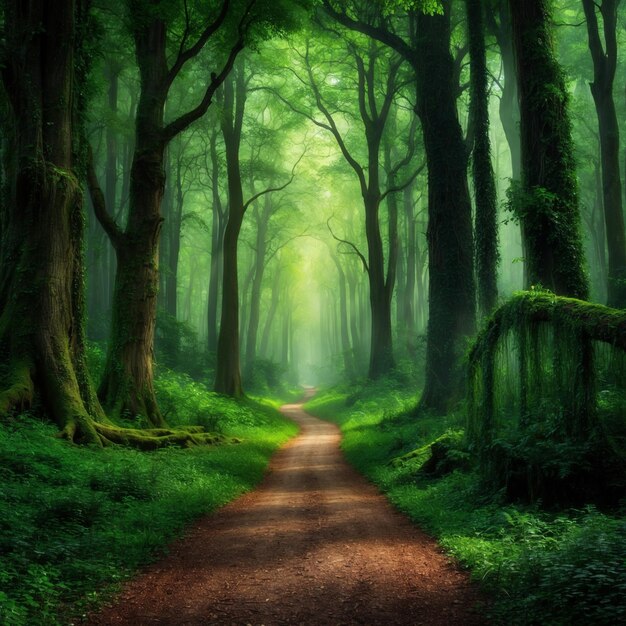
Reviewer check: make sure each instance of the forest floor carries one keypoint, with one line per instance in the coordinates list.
(314, 544)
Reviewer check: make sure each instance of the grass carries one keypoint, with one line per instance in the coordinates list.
(540, 567)
(74, 520)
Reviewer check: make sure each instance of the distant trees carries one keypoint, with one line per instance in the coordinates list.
(378, 80)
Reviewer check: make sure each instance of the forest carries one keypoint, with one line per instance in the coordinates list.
(242, 240)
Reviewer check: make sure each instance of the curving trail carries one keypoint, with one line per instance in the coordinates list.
(315, 544)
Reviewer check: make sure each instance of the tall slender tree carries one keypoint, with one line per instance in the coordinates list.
(486, 217)
(452, 308)
(604, 58)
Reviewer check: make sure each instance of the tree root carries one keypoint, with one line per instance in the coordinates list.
(156, 438)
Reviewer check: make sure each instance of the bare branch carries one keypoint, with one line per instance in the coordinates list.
(256, 196)
(348, 243)
(405, 184)
(109, 225)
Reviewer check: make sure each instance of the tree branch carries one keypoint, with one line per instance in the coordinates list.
(193, 51)
(109, 225)
(381, 34)
(350, 244)
(256, 196)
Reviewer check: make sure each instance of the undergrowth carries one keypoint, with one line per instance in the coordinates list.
(539, 567)
(74, 520)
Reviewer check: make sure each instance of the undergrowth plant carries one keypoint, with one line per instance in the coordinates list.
(74, 520)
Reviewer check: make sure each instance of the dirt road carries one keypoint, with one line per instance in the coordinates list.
(315, 544)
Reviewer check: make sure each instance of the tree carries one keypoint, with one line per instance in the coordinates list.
(452, 311)
(127, 383)
(604, 66)
(548, 204)
(41, 275)
(486, 217)
(228, 369)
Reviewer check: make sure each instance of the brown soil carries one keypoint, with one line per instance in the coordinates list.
(314, 544)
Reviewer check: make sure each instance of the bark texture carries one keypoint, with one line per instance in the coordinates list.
(42, 295)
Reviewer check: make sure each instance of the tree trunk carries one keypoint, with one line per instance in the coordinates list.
(217, 247)
(271, 313)
(346, 350)
(228, 371)
(548, 208)
(452, 315)
(381, 350)
(257, 282)
(604, 64)
(408, 313)
(42, 321)
(486, 216)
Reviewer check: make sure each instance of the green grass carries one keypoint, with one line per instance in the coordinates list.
(74, 520)
(539, 567)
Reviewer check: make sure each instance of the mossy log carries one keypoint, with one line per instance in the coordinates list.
(546, 377)
(598, 322)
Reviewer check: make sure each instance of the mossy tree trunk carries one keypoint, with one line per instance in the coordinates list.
(486, 214)
(127, 384)
(42, 320)
(604, 66)
(548, 207)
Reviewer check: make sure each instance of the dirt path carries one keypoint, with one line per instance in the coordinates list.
(314, 544)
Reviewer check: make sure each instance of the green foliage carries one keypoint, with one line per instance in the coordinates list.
(75, 519)
(552, 568)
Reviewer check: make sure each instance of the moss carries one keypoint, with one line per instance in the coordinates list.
(539, 372)
(19, 392)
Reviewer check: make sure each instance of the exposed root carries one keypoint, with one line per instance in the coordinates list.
(155, 438)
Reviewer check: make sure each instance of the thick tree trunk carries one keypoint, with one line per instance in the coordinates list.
(452, 314)
(605, 63)
(548, 209)
(228, 371)
(42, 321)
